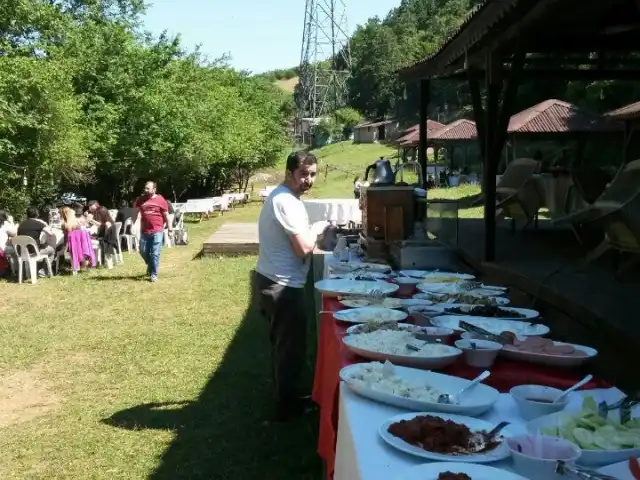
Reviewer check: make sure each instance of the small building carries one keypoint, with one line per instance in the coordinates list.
(376, 131)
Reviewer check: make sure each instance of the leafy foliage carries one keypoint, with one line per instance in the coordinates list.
(90, 103)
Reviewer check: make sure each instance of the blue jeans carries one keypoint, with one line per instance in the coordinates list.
(150, 244)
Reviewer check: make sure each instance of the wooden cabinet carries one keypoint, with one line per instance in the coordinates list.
(387, 212)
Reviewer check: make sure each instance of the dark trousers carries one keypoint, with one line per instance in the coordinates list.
(284, 308)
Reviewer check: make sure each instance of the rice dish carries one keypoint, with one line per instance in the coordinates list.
(381, 378)
(392, 342)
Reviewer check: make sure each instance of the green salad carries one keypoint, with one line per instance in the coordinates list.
(590, 431)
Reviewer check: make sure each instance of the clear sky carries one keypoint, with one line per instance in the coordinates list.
(259, 35)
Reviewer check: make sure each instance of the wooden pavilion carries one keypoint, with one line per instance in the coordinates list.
(505, 41)
(630, 116)
(558, 120)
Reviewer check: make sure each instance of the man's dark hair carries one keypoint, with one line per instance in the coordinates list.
(295, 159)
(92, 203)
(32, 212)
(124, 204)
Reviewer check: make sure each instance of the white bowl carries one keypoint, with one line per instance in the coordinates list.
(536, 455)
(525, 395)
(483, 355)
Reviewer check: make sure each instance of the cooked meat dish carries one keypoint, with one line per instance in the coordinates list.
(437, 435)
(485, 311)
(453, 476)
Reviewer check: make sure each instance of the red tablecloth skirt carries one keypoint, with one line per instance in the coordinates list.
(333, 355)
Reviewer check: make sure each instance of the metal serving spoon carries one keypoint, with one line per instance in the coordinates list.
(449, 399)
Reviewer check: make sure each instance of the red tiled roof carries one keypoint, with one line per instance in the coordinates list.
(627, 112)
(459, 130)
(412, 137)
(556, 116)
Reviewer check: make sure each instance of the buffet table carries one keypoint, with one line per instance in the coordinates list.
(363, 455)
(332, 356)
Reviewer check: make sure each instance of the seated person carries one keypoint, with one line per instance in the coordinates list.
(7, 230)
(125, 213)
(35, 228)
(106, 230)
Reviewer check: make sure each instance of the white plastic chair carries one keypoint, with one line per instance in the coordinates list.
(130, 238)
(167, 237)
(30, 257)
(119, 256)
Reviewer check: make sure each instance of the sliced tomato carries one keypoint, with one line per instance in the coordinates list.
(634, 466)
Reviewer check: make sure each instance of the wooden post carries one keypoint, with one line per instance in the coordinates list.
(473, 77)
(425, 90)
(494, 87)
(497, 122)
(326, 172)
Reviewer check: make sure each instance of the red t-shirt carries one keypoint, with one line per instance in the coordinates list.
(152, 210)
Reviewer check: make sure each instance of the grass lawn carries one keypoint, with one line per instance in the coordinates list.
(104, 375)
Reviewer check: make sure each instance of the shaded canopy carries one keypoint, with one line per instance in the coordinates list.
(556, 116)
(412, 136)
(626, 112)
(460, 130)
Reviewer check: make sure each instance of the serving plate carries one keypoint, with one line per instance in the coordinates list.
(370, 314)
(590, 458)
(435, 362)
(339, 287)
(388, 302)
(431, 471)
(366, 274)
(493, 325)
(499, 453)
(445, 298)
(363, 266)
(563, 361)
(437, 276)
(477, 401)
(454, 288)
(441, 308)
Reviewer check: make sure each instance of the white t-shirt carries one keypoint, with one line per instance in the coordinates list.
(282, 215)
(7, 230)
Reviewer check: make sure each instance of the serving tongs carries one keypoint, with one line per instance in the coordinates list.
(625, 405)
(501, 339)
(574, 471)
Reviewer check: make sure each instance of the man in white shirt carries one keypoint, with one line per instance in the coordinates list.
(286, 244)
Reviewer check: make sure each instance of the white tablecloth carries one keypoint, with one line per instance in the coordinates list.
(339, 210)
(362, 454)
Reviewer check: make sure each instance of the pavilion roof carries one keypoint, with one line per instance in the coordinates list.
(537, 27)
(412, 137)
(626, 112)
(556, 116)
(459, 130)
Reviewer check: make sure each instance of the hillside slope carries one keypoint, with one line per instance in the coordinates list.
(288, 85)
(338, 165)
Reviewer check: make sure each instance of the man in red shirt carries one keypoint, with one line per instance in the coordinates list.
(153, 216)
